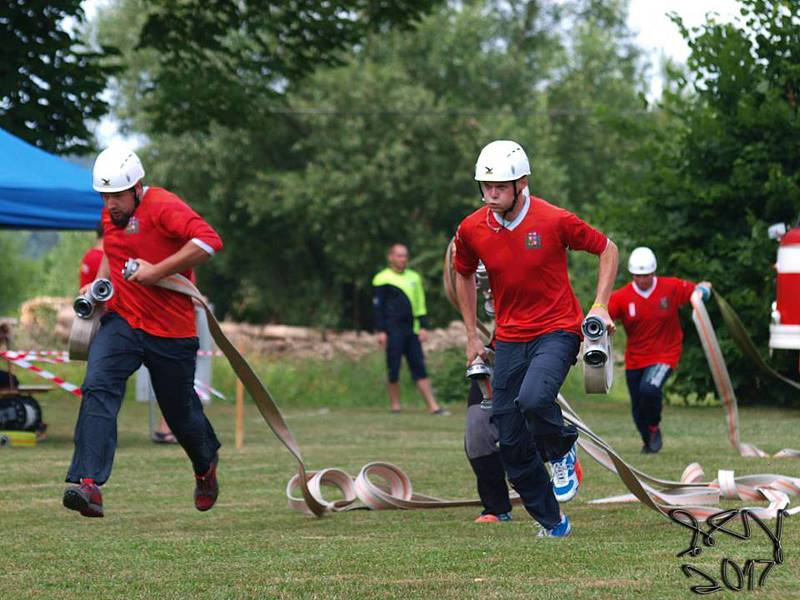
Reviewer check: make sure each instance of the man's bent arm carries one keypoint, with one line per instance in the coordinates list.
(103, 271)
(606, 273)
(189, 256)
(467, 296)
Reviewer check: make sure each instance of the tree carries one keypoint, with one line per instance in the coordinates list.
(50, 83)
(218, 61)
(723, 164)
(309, 183)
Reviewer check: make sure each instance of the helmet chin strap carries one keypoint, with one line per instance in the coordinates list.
(523, 192)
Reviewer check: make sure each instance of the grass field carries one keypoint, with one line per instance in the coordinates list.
(154, 544)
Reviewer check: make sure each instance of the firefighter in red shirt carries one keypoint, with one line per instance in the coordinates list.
(90, 262)
(144, 324)
(648, 308)
(523, 241)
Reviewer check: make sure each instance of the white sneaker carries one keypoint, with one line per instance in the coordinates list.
(564, 477)
(563, 529)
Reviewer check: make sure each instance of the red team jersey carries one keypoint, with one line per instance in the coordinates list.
(527, 267)
(652, 323)
(90, 264)
(161, 225)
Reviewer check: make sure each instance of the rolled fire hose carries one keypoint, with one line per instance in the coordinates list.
(691, 495)
(598, 363)
(719, 372)
(682, 494)
(89, 309)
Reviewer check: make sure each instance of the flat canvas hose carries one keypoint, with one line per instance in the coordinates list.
(395, 492)
(719, 371)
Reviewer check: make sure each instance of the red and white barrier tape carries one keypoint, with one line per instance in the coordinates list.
(63, 355)
(66, 385)
(23, 360)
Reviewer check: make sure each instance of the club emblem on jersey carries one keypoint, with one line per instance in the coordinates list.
(133, 225)
(664, 303)
(533, 240)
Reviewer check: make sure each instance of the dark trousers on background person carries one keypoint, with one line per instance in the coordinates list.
(402, 341)
(526, 382)
(645, 387)
(115, 354)
(480, 445)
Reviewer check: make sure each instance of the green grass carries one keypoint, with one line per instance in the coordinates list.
(154, 544)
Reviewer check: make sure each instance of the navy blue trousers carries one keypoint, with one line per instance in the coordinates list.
(117, 351)
(399, 342)
(645, 387)
(531, 429)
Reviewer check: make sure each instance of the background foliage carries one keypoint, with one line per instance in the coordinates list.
(721, 167)
(311, 157)
(51, 81)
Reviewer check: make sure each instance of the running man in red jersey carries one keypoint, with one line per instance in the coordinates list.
(523, 241)
(648, 308)
(144, 324)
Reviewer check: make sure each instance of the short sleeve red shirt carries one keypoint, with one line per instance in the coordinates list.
(527, 267)
(90, 264)
(161, 225)
(652, 323)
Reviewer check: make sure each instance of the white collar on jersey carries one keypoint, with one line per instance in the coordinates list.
(511, 225)
(650, 290)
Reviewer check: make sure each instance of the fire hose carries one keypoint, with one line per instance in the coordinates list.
(361, 492)
(719, 370)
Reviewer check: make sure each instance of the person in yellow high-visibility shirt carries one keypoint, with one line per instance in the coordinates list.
(400, 319)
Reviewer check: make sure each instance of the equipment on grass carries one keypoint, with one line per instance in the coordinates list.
(17, 438)
(20, 413)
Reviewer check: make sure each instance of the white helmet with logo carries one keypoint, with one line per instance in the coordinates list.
(116, 169)
(502, 160)
(642, 261)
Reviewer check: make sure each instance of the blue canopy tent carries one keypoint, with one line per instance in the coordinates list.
(42, 191)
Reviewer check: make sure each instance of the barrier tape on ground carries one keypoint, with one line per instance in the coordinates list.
(65, 385)
(24, 360)
(63, 355)
(722, 380)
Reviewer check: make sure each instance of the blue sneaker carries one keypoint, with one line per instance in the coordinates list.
(564, 476)
(563, 529)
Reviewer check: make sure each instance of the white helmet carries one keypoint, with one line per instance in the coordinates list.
(116, 169)
(502, 160)
(642, 261)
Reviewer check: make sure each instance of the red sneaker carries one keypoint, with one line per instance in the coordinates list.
(207, 488)
(85, 498)
(487, 519)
